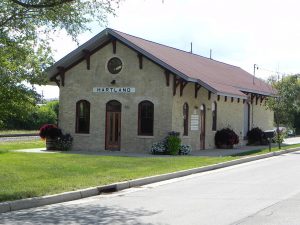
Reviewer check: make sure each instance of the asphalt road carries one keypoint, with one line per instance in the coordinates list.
(261, 192)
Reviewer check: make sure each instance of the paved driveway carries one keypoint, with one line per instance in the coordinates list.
(292, 140)
(261, 192)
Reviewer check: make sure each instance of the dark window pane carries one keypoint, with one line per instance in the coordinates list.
(185, 119)
(214, 116)
(82, 116)
(146, 118)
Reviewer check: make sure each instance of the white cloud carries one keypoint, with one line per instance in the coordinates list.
(242, 33)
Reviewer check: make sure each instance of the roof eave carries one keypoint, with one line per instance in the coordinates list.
(242, 96)
(77, 53)
(258, 92)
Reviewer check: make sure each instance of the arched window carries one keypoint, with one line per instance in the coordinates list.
(214, 115)
(83, 117)
(185, 119)
(146, 118)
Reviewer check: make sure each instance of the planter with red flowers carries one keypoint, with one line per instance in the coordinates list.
(226, 138)
(51, 133)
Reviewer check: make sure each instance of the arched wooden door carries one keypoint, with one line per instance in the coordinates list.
(113, 125)
(202, 126)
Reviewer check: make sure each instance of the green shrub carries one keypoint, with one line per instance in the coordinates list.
(279, 136)
(173, 145)
(158, 148)
(170, 145)
(64, 142)
(185, 149)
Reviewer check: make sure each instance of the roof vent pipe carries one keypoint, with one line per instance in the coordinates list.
(210, 53)
(191, 47)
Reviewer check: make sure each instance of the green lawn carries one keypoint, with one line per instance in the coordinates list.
(15, 145)
(24, 175)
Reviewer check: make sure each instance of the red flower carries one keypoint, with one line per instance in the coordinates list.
(50, 131)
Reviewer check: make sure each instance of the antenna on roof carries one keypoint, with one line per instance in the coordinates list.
(210, 53)
(255, 67)
(191, 47)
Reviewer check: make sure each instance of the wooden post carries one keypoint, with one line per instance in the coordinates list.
(87, 56)
(167, 75)
(183, 83)
(61, 71)
(176, 82)
(114, 44)
(197, 88)
(140, 56)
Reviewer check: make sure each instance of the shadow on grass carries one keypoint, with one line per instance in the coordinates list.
(252, 152)
(77, 214)
(17, 195)
(117, 153)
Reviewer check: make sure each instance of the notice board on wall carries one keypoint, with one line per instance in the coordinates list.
(194, 122)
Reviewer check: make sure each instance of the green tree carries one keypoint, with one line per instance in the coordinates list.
(287, 105)
(34, 117)
(54, 106)
(16, 99)
(26, 27)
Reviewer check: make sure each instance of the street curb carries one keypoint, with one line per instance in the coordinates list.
(88, 192)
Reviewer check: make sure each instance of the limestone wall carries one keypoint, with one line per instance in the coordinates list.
(149, 82)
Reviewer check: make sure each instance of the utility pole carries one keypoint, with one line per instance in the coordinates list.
(255, 67)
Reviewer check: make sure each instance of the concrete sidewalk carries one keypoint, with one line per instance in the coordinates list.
(206, 152)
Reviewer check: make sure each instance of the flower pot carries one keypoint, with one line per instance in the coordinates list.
(224, 146)
(50, 144)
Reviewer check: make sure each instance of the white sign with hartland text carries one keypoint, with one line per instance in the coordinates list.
(114, 90)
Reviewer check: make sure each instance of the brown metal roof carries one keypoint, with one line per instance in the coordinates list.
(224, 78)
(219, 78)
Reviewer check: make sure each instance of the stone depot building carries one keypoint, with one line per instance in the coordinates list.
(121, 92)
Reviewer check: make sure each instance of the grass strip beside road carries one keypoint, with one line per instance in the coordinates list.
(25, 175)
(265, 150)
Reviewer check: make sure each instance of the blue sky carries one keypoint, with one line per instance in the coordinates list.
(242, 33)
